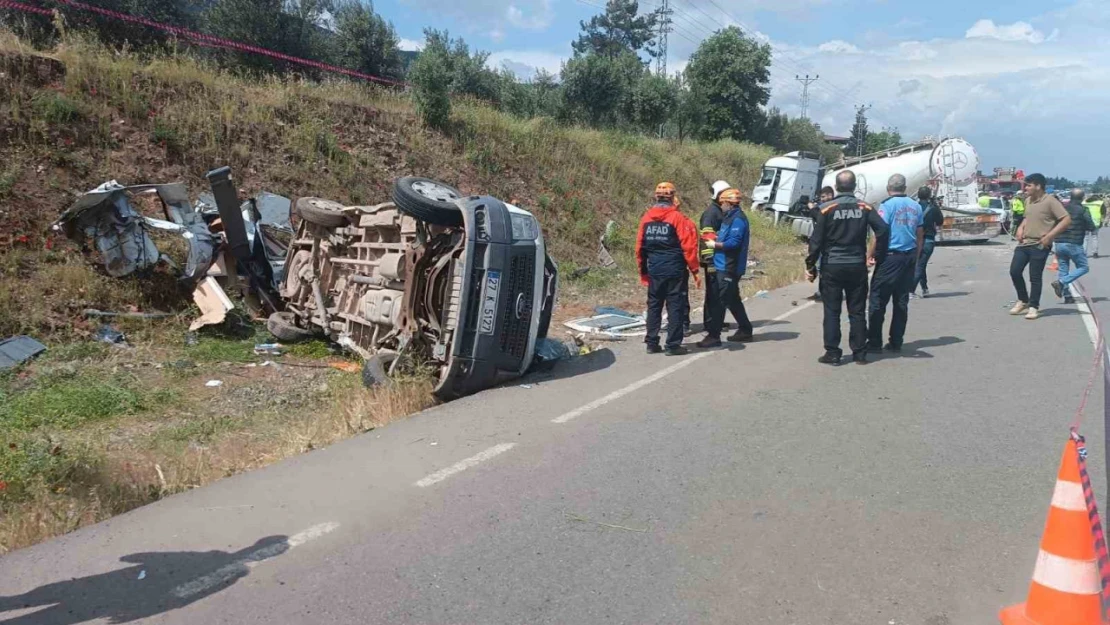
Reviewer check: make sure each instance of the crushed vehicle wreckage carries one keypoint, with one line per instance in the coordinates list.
(461, 284)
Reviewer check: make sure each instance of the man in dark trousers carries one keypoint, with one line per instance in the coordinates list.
(933, 219)
(667, 253)
(895, 265)
(839, 245)
(1045, 219)
(708, 225)
(730, 259)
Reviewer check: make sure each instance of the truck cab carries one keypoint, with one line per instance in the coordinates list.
(785, 179)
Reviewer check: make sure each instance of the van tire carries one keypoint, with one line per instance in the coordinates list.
(321, 212)
(284, 328)
(428, 200)
(375, 370)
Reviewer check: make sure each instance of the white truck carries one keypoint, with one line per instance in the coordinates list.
(785, 179)
(949, 166)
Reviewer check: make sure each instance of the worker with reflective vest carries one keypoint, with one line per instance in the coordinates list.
(1017, 214)
(1094, 205)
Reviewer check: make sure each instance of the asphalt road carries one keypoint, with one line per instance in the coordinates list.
(735, 486)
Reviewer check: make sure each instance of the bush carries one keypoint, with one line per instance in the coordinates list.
(431, 81)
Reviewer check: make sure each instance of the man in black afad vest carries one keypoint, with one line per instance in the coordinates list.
(839, 244)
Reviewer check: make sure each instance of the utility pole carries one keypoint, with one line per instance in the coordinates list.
(860, 127)
(805, 92)
(664, 28)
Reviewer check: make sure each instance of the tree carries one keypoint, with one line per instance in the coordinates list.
(730, 73)
(857, 142)
(770, 129)
(653, 102)
(689, 110)
(598, 90)
(364, 41)
(253, 22)
(303, 33)
(803, 135)
(1060, 182)
(467, 72)
(618, 30)
(430, 76)
(110, 31)
(880, 141)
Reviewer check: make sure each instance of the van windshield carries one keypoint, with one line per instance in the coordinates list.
(768, 176)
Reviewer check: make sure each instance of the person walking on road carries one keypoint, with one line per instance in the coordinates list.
(932, 219)
(1094, 207)
(895, 265)
(1045, 219)
(838, 246)
(1069, 246)
(1017, 214)
(708, 225)
(730, 259)
(666, 253)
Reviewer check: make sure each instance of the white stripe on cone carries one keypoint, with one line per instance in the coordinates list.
(1069, 496)
(1078, 577)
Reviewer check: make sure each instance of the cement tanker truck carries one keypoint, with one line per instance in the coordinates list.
(949, 166)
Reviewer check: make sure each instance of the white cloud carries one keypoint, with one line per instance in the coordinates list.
(410, 44)
(524, 63)
(534, 18)
(988, 87)
(496, 35)
(836, 46)
(1018, 31)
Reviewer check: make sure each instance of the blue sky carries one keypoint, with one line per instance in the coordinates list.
(1028, 83)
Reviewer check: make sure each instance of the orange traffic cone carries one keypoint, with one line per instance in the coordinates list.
(1054, 265)
(1066, 583)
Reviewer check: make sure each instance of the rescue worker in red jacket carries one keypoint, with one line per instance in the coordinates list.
(667, 253)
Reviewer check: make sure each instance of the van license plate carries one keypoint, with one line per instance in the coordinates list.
(489, 302)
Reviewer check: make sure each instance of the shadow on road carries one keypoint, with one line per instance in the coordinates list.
(1056, 312)
(580, 365)
(155, 583)
(948, 294)
(914, 349)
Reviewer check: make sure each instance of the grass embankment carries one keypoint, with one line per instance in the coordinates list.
(89, 430)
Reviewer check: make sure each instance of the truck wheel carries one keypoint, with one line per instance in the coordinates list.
(375, 370)
(284, 327)
(322, 212)
(428, 200)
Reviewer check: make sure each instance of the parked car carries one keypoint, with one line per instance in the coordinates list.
(463, 284)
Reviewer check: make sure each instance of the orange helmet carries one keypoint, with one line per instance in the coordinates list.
(730, 196)
(664, 191)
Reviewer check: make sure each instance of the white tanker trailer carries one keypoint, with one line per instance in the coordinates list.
(949, 166)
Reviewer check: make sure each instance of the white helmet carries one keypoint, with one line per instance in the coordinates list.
(719, 186)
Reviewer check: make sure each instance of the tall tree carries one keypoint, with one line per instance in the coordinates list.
(303, 33)
(730, 73)
(598, 90)
(619, 29)
(879, 141)
(254, 22)
(857, 142)
(364, 41)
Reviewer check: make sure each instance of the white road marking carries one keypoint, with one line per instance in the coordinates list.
(463, 465)
(617, 394)
(1086, 314)
(655, 377)
(240, 567)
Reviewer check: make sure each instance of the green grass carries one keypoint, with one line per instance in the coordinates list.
(67, 398)
(314, 348)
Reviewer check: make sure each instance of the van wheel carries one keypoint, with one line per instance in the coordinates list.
(375, 370)
(284, 328)
(428, 200)
(322, 212)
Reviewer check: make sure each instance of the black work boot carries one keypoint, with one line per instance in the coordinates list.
(874, 348)
(860, 358)
(677, 350)
(1058, 288)
(891, 347)
(830, 358)
(654, 348)
(709, 341)
(741, 337)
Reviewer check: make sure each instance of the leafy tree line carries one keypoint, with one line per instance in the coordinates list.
(608, 83)
(347, 33)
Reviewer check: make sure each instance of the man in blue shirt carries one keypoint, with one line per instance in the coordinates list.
(895, 266)
(730, 259)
